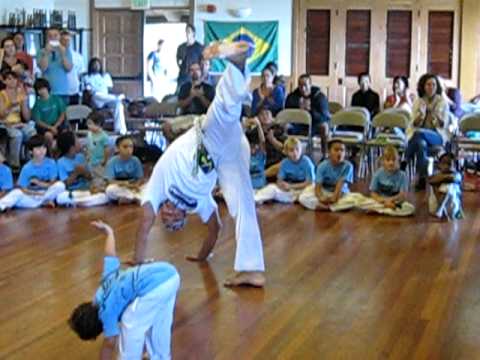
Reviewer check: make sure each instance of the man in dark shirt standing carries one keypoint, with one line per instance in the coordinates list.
(366, 97)
(188, 53)
(195, 96)
(311, 99)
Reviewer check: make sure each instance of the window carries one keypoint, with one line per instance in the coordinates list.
(399, 43)
(357, 55)
(318, 42)
(440, 43)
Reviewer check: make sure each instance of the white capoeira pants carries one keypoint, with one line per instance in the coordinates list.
(17, 198)
(82, 198)
(114, 102)
(148, 321)
(346, 202)
(225, 140)
(116, 192)
(405, 208)
(451, 203)
(273, 192)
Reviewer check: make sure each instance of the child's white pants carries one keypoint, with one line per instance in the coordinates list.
(148, 321)
(83, 198)
(347, 201)
(273, 192)
(17, 198)
(452, 201)
(116, 192)
(405, 209)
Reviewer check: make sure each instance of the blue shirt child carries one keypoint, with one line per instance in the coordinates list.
(328, 175)
(67, 165)
(45, 171)
(387, 183)
(257, 169)
(6, 178)
(297, 172)
(118, 169)
(96, 144)
(120, 287)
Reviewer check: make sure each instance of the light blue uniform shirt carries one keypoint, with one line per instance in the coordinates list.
(118, 169)
(120, 287)
(6, 178)
(387, 183)
(67, 165)
(257, 169)
(55, 73)
(96, 144)
(297, 172)
(45, 171)
(328, 175)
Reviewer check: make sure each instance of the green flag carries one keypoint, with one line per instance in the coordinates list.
(263, 34)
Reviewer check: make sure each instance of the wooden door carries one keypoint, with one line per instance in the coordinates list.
(117, 41)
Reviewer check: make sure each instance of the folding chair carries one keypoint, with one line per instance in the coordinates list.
(467, 138)
(297, 117)
(334, 107)
(77, 114)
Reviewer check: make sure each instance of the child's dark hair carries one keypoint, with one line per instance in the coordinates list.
(65, 141)
(252, 136)
(333, 142)
(122, 138)
(41, 83)
(85, 321)
(97, 118)
(37, 141)
(450, 156)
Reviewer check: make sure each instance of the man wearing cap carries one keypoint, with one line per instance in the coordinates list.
(214, 148)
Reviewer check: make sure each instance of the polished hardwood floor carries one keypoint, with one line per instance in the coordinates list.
(340, 286)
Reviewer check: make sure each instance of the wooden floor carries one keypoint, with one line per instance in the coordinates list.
(340, 286)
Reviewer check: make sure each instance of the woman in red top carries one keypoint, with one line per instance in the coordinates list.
(401, 97)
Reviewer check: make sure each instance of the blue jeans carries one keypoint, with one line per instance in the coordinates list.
(418, 146)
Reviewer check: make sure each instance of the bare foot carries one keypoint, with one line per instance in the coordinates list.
(125, 201)
(49, 205)
(225, 50)
(246, 278)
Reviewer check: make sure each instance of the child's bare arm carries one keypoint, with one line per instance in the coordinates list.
(108, 348)
(300, 186)
(338, 190)
(110, 241)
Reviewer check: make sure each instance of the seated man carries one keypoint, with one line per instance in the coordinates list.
(195, 96)
(311, 99)
(365, 96)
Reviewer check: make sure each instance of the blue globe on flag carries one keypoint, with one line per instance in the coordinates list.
(247, 38)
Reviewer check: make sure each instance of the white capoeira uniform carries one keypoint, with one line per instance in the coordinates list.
(18, 199)
(81, 198)
(116, 192)
(346, 202)
(403, 209)
(176, 176)
(452, 202)
(273, 192)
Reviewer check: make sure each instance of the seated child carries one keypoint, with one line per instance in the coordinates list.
(445, 199)
(124, 173)
(38, 185)
(141, 298)
(258, 157)
(295, 174)
(6, 178)
(388, 188)
(98, 150)
(73, 170)
(333, 176)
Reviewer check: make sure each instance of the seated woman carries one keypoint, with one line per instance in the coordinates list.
(430, 119)
(9, 61)
(97, 83)
(267, 95)
(14, 117)
(401, 98)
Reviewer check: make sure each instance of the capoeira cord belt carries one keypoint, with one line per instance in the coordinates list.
(202, 160)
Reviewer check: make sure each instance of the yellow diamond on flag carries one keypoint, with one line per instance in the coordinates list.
(261, 46)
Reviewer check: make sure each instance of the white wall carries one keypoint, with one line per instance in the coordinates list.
(126, 3)
(263, 10)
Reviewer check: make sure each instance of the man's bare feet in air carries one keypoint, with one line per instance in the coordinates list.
(246, 278)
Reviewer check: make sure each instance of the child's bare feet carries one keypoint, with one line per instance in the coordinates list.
(246, 278)
(49, 205)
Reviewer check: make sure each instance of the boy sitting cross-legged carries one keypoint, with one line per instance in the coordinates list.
(331, 191)
(38, 184)
(6, 178)
(295, 174)
(74, 171)
(124, 173)
(388, 188)
(133, 307)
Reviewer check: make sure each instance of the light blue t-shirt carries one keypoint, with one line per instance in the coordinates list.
(387, 183)
(67, 165)
(328, 175)
(118, 169)
(6, 178)
(120, 287)
(55, 73)
(297, 172)
(45, 171)
(96, 144)
(257, 169)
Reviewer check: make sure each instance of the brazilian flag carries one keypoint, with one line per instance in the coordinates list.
(264, 35)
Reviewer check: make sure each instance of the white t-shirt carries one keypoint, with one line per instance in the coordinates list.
(173, 179)
(98, 83)
(74, 74)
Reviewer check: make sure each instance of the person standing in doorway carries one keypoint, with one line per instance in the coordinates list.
(188, 53)
(155, 71)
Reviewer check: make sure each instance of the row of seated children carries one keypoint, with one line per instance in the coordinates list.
(327, 188)
(69, 180)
